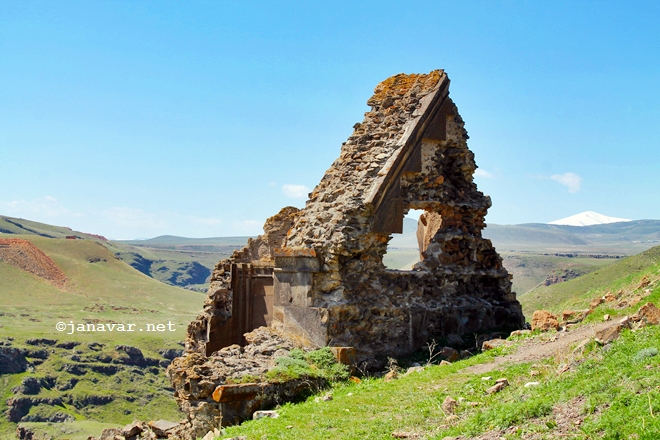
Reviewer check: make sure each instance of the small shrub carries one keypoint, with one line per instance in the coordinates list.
(645, 353)
(318, 363)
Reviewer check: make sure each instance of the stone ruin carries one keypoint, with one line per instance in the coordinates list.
(316, 276)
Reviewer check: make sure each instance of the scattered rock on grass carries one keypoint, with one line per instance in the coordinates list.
(544, 321)
(611, 332)
(263, 414)
(494, 343)
(499, 386)
(449, 405)
(647, 314)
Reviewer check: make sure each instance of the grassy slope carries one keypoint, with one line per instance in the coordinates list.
(529, 269)
(171, 256)
(31, 307)
(576, 294)
(10, 225)
(590, 393)
(108, 282)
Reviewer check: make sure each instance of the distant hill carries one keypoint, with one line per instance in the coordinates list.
(175, 241)
(623, 238)
(177, 261)
(13, 226)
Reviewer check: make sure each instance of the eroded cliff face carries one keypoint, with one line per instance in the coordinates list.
(317, 277)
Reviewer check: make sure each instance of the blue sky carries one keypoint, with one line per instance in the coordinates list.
(135, 119)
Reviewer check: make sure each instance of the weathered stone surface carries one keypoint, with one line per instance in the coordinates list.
(449, 354)
(449, 405)
(163, 428)
(410, 152)
(596, 302)
(544, 321)
(493, 343)
(344, 355)
(647, 314)
(612, 332)
(265, 413)
(428, 225)
(133, 429)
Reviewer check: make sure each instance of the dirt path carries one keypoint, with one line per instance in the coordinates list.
(532, 350)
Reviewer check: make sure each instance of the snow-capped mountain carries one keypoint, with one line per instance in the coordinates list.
(588, 218)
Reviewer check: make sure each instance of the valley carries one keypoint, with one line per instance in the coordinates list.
(72, 384)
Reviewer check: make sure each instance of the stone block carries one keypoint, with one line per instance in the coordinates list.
(344, 355)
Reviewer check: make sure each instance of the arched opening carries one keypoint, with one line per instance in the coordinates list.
(403, 249)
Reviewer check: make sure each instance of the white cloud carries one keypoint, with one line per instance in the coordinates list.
(46, 207)
(482, 173)
(135, 219)
(570, 180)
(295, 191)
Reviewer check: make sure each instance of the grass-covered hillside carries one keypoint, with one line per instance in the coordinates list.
(621, 279)
(86, 376)
(177, 261)
(594, 393)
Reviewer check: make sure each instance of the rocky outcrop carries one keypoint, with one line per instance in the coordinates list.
(12, 360)
(230, 385)
(544, 321)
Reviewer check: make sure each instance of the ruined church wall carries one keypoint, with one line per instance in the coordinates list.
(459, 287)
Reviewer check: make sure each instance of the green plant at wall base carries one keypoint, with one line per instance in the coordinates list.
(314, 364)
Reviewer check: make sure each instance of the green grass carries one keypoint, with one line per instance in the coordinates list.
(530, 269)
(577, 293)
(101, 289)
(172, 259)
(613, 392)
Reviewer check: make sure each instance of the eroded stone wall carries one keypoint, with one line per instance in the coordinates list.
(216, 316)
(410, 152)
